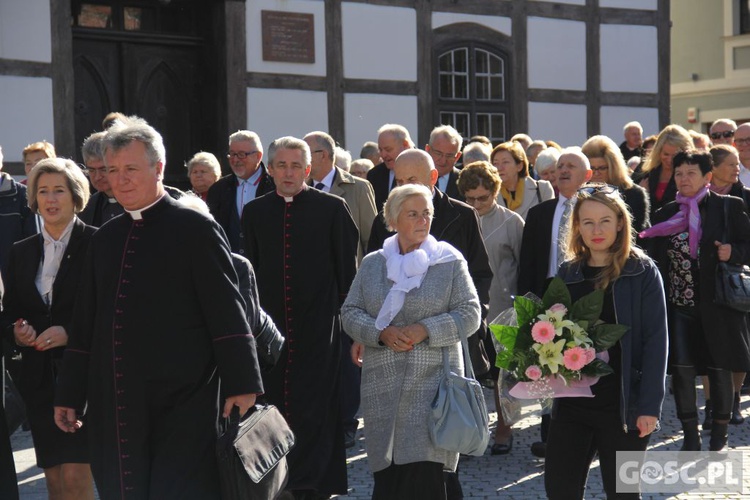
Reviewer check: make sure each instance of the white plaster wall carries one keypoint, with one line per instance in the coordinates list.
(364, 114)
(557, 54)
(274, 113)
(629, 4)
(501, 24)
(254, 37)
(563, 123)
(613, 118)
(379, 42)
(25, 31)
(629, 58)
(26, 108)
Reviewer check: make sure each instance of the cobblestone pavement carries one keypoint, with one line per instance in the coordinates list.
(518, 475)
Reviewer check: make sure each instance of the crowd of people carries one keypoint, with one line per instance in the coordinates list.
(135, 307)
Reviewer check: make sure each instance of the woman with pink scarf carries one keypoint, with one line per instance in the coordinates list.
(691, 236)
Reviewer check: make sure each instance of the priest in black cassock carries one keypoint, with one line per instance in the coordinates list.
(159, 321)
(303, 245)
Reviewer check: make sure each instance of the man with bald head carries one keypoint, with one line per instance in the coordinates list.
(454, 222)
(742, 143)
(392, 140)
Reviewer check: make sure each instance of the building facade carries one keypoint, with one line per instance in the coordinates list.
(200, 69)
(710, 62)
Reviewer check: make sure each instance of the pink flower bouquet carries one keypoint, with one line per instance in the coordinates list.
(556, 348)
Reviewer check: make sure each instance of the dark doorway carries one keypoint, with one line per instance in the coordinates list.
(152, 59)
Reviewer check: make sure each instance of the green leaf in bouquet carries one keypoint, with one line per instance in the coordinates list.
(526, 310)
(605, 335)
(503, 359)
(597, 368)
(524, 340)
(506, 335)
(557, 293)
(588, 307)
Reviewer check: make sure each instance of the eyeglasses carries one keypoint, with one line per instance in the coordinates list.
(604, 189)
(742, 142)
(90, 172)
(240, 154)
(479, 199)
(726, 134)
(603, 168)
(438, 155)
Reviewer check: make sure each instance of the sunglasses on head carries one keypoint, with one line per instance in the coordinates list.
(726, 134)
(605, 189)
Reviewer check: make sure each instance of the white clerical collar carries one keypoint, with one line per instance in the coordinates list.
(138, 214)
(290, 199)
(112, 200)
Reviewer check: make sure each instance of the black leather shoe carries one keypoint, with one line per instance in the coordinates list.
(502, 448)
(539, 449)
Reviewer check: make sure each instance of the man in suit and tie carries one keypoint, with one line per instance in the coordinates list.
(392, 140)
(357, 193)
(543, 243)
(248, 180)
(445, 149)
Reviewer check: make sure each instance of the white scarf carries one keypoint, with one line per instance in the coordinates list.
(53, 255)
(408, 271)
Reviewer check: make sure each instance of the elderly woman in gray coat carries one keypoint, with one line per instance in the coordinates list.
(408, 302)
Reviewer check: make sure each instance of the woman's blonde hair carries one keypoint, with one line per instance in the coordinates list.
(398, 196)
(76, 180)
(601, 146)
(674, 135)
(622, 248)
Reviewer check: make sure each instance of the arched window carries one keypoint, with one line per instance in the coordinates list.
(472, 91)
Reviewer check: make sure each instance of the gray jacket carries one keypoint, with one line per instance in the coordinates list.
(398, 388)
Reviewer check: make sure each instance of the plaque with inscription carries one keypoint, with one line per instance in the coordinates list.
(287, 36)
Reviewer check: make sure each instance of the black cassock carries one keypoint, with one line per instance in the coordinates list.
(159, 320)
(304, 251)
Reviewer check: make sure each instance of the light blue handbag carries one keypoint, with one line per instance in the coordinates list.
(460, 422)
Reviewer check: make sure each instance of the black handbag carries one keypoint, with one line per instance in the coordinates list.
(732, 280)
(268, 341)
(252, 454)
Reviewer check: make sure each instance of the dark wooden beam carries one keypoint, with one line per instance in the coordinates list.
(63, 86)
(234, 112)
(593, 69)
(335, 70)
(13, 67)
(663, 30)
(425, 71)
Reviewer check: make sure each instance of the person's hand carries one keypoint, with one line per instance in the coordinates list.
(646, 424)
(243, 401)
(417, 333)
(24, 333)
(724, 250)
(66, 419)
(54, 336)
(356, 352)
(395, 339)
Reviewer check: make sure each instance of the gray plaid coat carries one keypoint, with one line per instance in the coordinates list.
(398, 388)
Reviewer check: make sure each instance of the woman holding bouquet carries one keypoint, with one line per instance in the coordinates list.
(626, 404)
(408, 301)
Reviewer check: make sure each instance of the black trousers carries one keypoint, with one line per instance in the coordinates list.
(414, 481)
(689, 357)
(574, 438)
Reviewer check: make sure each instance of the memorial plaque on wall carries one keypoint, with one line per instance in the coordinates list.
(287, 36)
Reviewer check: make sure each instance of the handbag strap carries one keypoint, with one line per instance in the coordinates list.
(468, 367)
